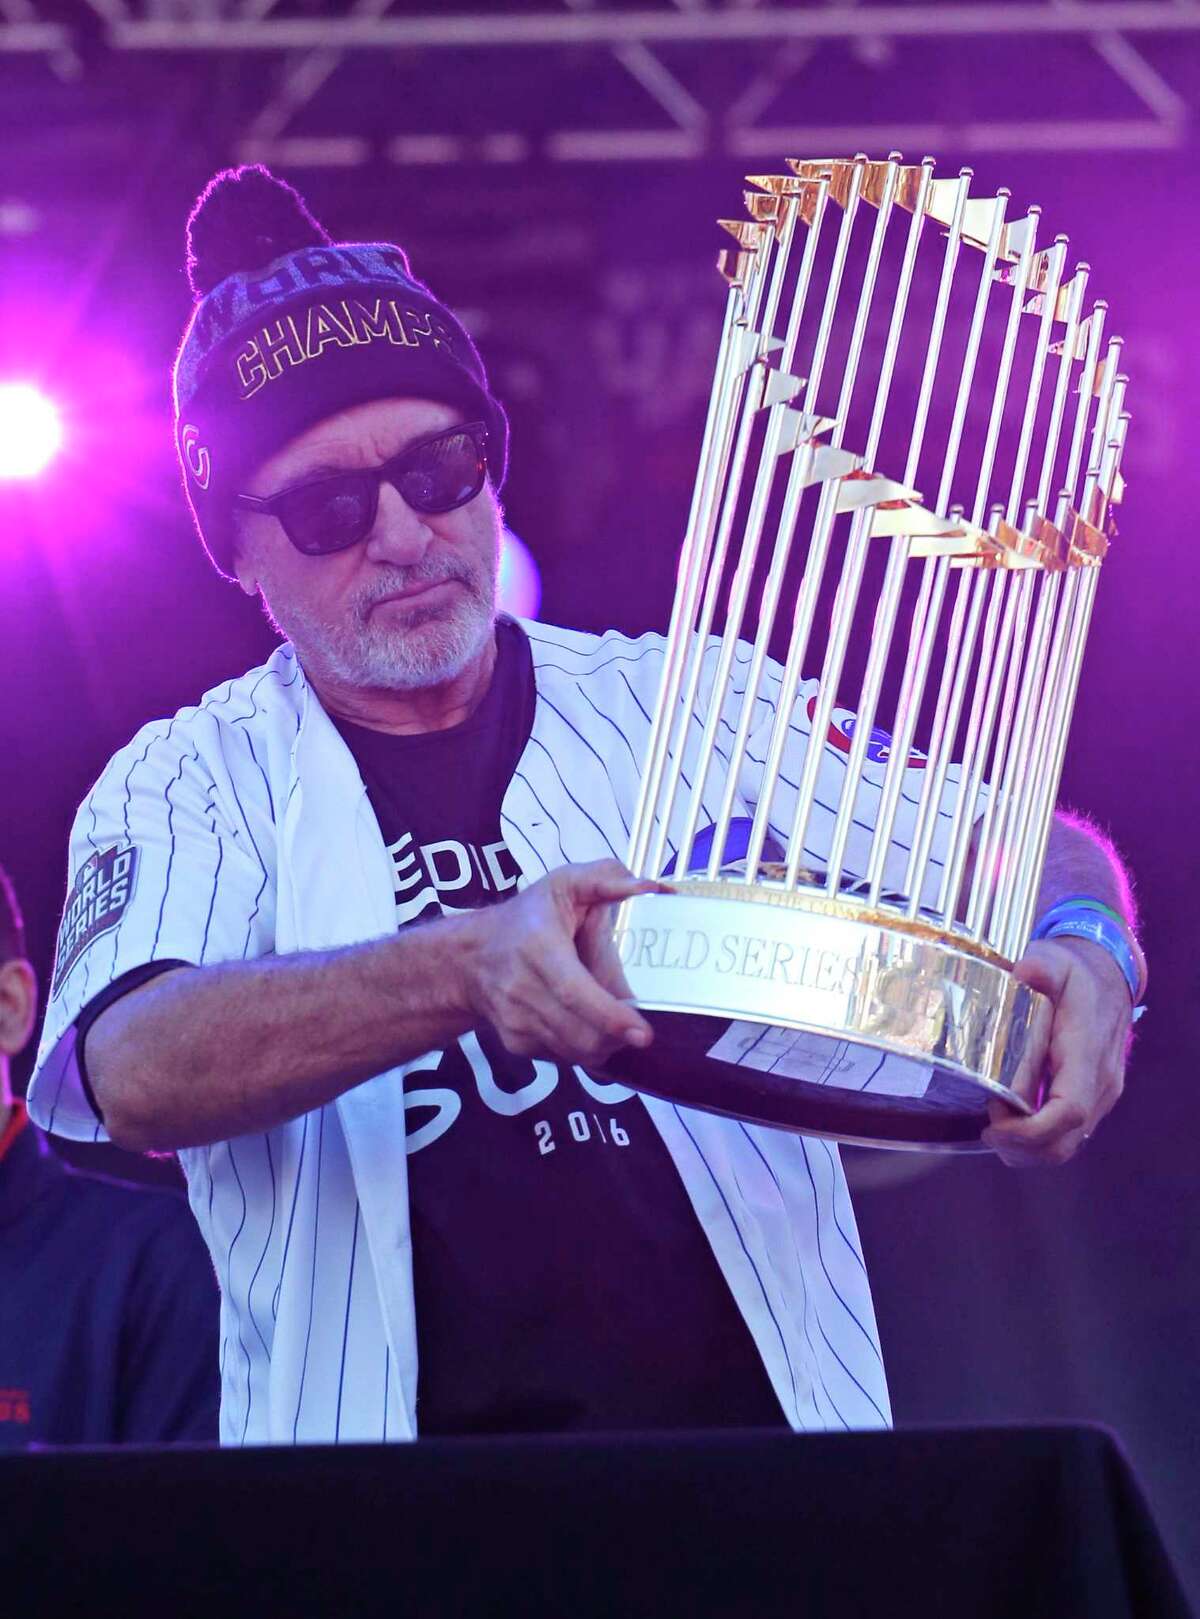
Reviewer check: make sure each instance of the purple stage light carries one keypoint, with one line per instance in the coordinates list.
(30, 430)
(520, 583)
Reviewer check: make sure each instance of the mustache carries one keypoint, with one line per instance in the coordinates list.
(429, 571)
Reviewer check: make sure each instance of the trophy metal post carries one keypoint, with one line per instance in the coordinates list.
(812, 967)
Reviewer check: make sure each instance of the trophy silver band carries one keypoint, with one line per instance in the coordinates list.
(844, 968)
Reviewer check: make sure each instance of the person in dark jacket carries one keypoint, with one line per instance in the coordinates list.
(108, 1303)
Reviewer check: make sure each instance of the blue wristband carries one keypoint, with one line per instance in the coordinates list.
(1084, 902)
(1072, 905)
(1077, 922)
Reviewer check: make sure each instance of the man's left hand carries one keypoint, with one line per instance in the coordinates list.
(1079, 1069)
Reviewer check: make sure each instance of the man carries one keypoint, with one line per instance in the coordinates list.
(108, 1308)
(350, 919)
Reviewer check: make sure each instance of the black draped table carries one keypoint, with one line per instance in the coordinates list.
(1014, 1523)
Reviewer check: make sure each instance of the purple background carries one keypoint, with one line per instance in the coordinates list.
(1002, 1296)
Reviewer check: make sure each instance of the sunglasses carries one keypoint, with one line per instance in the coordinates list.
(338, 509)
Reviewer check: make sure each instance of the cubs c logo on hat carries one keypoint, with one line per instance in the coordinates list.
(196, 457)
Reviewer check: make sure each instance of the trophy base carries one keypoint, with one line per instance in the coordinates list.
(816, 1015)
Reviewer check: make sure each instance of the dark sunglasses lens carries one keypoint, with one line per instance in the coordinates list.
(328, 516)
(443, 474)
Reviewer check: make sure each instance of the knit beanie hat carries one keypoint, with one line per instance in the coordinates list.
(289, 328)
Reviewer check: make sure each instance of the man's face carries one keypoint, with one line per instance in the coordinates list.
(411, 605)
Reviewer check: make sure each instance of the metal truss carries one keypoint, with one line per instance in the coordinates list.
(663, 49)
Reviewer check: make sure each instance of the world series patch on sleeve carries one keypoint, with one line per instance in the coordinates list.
(97, 902)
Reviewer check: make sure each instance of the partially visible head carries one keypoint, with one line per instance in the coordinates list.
(18, 987)
(291, 332)
(409, 606)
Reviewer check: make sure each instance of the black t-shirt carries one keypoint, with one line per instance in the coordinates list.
(562, 1279)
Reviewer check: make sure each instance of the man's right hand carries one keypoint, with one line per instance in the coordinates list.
(543, 968)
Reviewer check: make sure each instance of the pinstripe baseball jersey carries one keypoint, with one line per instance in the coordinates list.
(241, 827)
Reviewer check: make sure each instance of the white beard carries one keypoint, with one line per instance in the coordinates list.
(427, 646)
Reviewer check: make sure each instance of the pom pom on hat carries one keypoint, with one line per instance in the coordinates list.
(290, 327)
(244, 219)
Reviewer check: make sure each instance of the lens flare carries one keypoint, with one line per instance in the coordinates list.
(520, 584)
(30, 430)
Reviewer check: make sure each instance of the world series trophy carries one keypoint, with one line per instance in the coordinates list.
(833, 953)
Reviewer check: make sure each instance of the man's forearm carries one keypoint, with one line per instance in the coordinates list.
(1081, 860)
(202, 1054)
